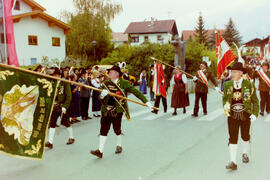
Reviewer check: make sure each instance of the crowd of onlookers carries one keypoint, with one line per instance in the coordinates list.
(81, 96)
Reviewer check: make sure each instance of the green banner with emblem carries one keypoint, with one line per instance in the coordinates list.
(26, 103)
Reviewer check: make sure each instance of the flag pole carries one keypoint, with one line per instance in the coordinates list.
(5, 34)
(166, 64)
(72, 82)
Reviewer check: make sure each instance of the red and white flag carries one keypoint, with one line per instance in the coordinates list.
(159, 85)
(224, 54)
(9, 31)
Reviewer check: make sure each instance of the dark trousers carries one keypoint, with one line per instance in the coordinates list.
(85, 106)
(234, 126)
(152, 94)
(164, 102)
(203, 97)
(64, 121)
(265, 101)
(106, 122)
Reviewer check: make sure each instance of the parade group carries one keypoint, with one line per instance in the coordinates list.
(240, 102)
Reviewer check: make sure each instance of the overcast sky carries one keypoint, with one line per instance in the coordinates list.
(252, 17)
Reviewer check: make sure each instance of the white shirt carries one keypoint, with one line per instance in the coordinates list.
(95, 83)
(184, 79)
(238, 85)
(115, 81)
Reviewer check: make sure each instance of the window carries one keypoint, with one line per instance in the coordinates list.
(159, 38)
(135, 39)
(2, 38)
(146, 38)
(56, 41)
(33, 61)
(33, 40)
(17, 6)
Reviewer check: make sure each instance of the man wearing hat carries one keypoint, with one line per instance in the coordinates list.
(201, 89)
(263, 75)
(113, 108)
(241, 106)
(62, 103)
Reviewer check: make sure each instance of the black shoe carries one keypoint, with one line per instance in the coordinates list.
(245, 158)
(88, 117)
(261, 113)
(205, 113)
(96, 115)
(174, 114)
(194, 115)
(118, 150)
(185, 111)
(97, 153)
(49, 145)
(155, 112)
(70, 141)
(231, 166)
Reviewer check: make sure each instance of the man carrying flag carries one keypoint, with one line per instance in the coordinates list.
(201, 89)
(159, 87)
(263, 75)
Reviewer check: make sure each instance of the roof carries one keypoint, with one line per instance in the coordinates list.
(257, 42)
(119, 37)
(186, 34)
(51, 20)
(146, 27)
(34, 5)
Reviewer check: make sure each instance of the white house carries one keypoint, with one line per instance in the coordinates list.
(37, 34)
(119, 38)
(154, 31)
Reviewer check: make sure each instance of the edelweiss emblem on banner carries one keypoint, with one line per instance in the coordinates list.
(17, 112)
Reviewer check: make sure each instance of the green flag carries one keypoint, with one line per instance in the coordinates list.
(26, 103)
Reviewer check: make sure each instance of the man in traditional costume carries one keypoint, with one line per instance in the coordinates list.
(113, 108)
(241, 106)
(263, 75)
(201, 88)
(62, 103)
(160, 87)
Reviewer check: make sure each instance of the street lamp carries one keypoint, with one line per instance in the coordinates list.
(94, 43)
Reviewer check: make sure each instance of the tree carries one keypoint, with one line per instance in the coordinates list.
(201, 33)
(211, 44)
(139, 57)
(89, 23)
(194, 54)
(231, 34)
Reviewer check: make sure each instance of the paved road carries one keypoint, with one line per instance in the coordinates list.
(156, 147)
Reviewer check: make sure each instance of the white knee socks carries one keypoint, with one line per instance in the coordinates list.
(70, 132)
(233, 152)
(51, 135)
(102, 141)
(119, 140)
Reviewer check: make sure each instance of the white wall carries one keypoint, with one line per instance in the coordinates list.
(38, 27)
(24, 9)
(153, 38)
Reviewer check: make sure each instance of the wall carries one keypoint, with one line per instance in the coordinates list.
(38, 27)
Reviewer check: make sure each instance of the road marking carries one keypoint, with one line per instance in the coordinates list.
(212, 116)
(267, 118)
(156, 116)
(181, 117)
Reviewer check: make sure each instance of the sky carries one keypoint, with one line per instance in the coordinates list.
(251, 17)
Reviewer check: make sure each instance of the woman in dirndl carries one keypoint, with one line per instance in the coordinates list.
(143, 82)
(180, 97)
